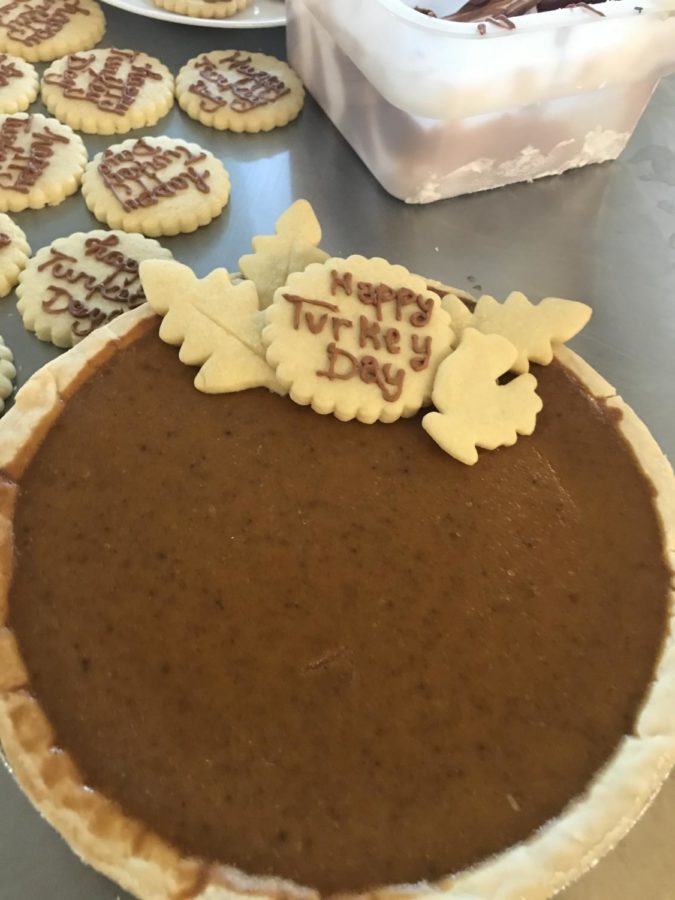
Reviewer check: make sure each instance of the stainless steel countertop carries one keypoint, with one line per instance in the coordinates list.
(605, 235)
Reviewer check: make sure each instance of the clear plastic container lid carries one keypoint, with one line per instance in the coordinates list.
(439, 69)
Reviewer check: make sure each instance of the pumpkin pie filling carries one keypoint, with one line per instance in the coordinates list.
(326, 651)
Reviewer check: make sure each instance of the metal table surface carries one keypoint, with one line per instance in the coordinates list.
(605, 235)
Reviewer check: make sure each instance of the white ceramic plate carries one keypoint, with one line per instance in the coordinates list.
(260, 14)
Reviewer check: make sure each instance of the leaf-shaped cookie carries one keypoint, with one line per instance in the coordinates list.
(476, 411)
(217, 325)
(460, 314)
(533, 329)
(291, 249)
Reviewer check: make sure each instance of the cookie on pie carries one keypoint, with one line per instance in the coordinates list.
(108, 91)
(239, 91)
(81, 282)
(41, 161)
(18, 84)
(156, 186)
(204, 9)
(14, 253)
(42, 30)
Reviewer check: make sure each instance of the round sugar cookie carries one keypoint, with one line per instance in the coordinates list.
(156, 185)
(108, 91)
(18, 84)
(81, 282)
(42, 30)
(14, 253)
(41, 161)
(204, 9)
(239, 91)
(7, 373)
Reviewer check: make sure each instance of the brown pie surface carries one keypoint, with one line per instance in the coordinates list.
(319, 651)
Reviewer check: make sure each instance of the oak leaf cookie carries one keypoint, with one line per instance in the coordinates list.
(7, 373)
(204, 9)
(216, 323)
(533, 329)
(359, 338)
(293, 246)
(156, 185)
(239, 91)
(42, 30)
(108, 91)
(18, 84)
(83, 281)
(14, 253)
(475, 410)
(41, 162)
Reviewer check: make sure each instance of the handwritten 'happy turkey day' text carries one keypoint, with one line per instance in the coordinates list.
(380, 335)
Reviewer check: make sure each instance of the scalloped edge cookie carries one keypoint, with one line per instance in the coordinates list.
(273, 113)
(81, 31)
(18, 94)
(13, 256)
(35, 302)
(152, 102)
(7, 373)
(49, 189)
(178, 214)
(201, 9)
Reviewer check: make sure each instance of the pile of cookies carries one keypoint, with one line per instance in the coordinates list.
(142, 187)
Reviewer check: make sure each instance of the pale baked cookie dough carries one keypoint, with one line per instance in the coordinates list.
(41, 162)
(83, 281)
(42, 30)
(108, 91)
(239, 91)
(14, 253)
(156, 185)
(204, 9)
(7, 373)
(18, 84)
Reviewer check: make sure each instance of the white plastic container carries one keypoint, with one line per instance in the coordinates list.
(436, 109)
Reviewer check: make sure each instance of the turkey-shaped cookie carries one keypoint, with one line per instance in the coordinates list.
(216, 324)
(291, 249)
(533, 329)
(475, 410)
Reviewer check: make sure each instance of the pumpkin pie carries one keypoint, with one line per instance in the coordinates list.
(247, 649)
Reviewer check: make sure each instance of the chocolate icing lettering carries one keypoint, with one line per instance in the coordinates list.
(112, 86)
(368, 369)
(132, 177)
(8, 70)
(121, 285)
(254, 87)
(32, 23)
(371, 334)
(26, 150)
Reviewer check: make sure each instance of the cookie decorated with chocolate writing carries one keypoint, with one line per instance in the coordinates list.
(42, 30)
(239, 91)
(204, 9)
(19, 84)
(108, 91)
(359, 338)
(41, 161)
(81, 282)
(156, 185)
(14, 253)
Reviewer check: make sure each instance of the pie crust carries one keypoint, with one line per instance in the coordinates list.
(128, 852)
